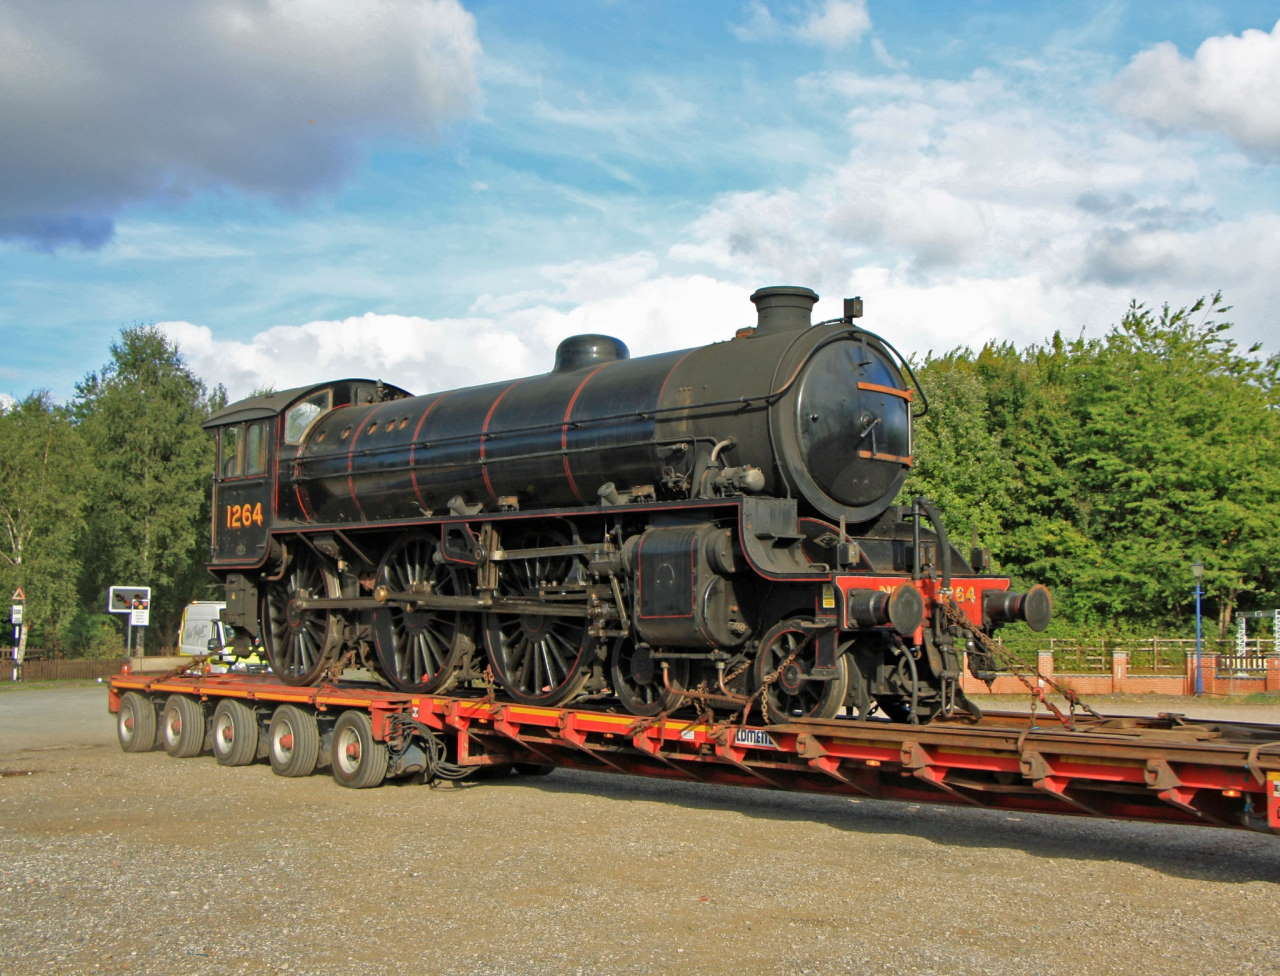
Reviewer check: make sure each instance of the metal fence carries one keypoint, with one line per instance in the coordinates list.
(1241, 665)
(1149, 655)
(64, 669)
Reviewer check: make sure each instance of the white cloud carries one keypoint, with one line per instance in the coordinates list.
(882, 55)
(967, 211)
(949, 177)
(963, 211)
(515, 338)
(103, 105)
(829, 23)
(758, 23)
(1232, 86)
(836, 23)
(418, 353)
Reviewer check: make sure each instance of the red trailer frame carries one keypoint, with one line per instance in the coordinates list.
(1165, 769)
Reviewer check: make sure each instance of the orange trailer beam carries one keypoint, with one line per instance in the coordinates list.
(1165, 769)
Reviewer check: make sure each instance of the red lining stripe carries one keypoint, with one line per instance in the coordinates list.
(413, 446)
(484, 434)
(667, 379)
(351, 448)
(564, 431)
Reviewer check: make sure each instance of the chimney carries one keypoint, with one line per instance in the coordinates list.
(782, 308)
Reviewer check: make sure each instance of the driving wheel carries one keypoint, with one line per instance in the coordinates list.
(422, 650)
(539, 658)
(300, 643)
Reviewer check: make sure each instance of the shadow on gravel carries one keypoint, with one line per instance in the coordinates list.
(1197, 853)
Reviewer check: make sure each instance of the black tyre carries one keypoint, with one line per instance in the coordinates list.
(358, 761)
(136, 723)
(293, 741)
(235, 733)
(182, 727)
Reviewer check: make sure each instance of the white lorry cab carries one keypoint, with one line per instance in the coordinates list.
(202, 633)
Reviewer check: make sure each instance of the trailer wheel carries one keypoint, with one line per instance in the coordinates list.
(293, 741)
(136, 723)
(359, 761)
(235, 733)
(182, 726)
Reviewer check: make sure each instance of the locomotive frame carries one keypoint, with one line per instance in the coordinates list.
(740, 549)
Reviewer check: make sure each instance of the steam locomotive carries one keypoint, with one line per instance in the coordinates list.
(714, 526)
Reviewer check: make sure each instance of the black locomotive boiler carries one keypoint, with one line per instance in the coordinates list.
(715, 525)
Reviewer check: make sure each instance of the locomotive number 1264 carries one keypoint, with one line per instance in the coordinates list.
(243, 516)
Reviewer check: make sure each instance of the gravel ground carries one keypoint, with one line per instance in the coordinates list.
(117, 863)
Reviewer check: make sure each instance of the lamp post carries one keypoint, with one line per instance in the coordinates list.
(1197, 570)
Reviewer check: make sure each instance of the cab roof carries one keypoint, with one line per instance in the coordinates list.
(271, 404)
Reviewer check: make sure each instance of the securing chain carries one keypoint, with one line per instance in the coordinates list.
(334, 672)
(486, 677)
(1006, 660)
(770, 678)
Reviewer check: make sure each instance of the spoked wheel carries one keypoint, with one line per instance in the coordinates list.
(787, 655)
(538, 659)
(636, 679)
(422, 651)
(300, 643)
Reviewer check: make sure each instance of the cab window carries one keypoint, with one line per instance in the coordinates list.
(229, 465)
(300, 416)
(255, 448)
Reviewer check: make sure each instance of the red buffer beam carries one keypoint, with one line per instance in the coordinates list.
(1164, 769)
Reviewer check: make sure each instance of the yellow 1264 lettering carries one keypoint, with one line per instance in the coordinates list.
(243, 516)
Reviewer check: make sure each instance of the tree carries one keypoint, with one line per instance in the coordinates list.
(44, 477)
(1179, 450)
(1105, 467)
(141, 417)
(961, 464)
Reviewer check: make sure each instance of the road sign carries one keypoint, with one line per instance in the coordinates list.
(18, 595)
(126, 599)
(139, 618)
(15, 613)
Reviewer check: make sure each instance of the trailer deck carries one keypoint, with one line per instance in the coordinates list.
(1169, 769)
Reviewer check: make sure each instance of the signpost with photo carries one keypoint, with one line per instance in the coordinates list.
(136, 602)
(15, 618)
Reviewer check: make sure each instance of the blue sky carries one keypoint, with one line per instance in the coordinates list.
(435, 192)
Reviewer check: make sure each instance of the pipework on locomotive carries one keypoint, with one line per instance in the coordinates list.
(714, 527)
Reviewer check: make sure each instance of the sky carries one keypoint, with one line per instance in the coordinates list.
(436, 192)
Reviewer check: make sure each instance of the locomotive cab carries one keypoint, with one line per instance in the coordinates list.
(244, 460)
(256, 441)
